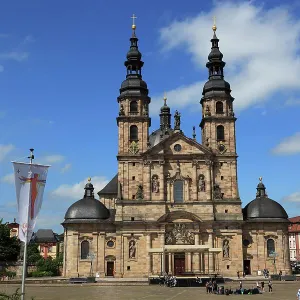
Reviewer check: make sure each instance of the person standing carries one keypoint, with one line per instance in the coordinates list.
(298, 295)
(262, 286)
(270, 286)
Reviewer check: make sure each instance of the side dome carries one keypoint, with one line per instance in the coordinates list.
(87, 209)
(264, 208)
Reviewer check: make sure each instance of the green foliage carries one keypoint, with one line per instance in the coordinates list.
(15, 296)
(9, 246)
(33, 253)
(48, 265)
(42, 274)
(9, 274)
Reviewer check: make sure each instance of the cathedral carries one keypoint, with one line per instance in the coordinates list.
(173, 206)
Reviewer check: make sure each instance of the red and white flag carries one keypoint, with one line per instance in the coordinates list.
(30, 180)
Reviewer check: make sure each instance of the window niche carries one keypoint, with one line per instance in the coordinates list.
(219, 107)
(270, 247)
(220, 133)
(133, 107)
(134, 136)
(84, 249)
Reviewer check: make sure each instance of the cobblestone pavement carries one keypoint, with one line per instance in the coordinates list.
(282, 291)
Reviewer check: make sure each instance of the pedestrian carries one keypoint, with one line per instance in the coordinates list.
(270, 286)
(238, 274)
(257, 285)
(241, 285)
(207, 288)
(298, 295)
(263, 286)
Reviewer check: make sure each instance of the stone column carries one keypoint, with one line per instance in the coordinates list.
(189, 261)
(76, 251)
(161, 181)
(147, 180)
(195, 179)
(196, 256)
(170, 263)
(102, 251)
(208, 180)
(162, 243)
(210, 255)
(149, 261)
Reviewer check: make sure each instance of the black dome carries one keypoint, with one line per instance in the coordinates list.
(264, 208)
(87, 209)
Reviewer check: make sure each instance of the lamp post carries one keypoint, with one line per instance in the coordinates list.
(274, 255)
(91, 256)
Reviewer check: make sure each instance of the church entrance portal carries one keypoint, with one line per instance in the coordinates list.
(110, 268)
(179, 263)
(247, 268)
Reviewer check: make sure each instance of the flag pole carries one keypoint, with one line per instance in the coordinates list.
(31, 157)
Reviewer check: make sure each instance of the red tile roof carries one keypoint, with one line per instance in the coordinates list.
(295, 219)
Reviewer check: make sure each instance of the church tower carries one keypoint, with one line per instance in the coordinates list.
(133, 120)
(218, 122)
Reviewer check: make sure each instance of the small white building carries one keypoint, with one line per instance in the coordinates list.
(294, 238)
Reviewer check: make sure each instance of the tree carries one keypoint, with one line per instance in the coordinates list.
(9, 246)
(33, 253)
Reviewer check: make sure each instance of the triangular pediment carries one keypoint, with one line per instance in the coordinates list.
(178, 144)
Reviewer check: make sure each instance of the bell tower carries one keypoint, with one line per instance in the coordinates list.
(218, 124)
(218, 121)
(133, 120)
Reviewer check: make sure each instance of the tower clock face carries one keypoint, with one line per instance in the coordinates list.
(177, 148)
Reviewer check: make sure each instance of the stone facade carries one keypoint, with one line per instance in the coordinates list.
(175, 205)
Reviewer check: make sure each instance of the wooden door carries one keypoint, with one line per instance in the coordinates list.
(179, 265)
(110, 268)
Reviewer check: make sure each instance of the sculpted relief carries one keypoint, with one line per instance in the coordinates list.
(179, 235)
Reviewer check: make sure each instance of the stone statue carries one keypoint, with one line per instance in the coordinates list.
(177, 120)
(226, 249)
(179, 235)
(201, 183)
(132, 249)
(155, 184)
(140, 192)
(217, 192)
(207, 111)
(121, 112)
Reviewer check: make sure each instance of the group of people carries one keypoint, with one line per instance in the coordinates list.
(211, 287)
(261, 286)
(168, 280)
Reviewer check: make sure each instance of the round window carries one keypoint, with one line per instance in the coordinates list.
(110, 244)
(177, 148)
(246, 243)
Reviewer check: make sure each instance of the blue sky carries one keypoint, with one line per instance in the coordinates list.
(61, 66)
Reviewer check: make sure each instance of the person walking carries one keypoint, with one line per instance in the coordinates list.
(270, 286)
(257, 285)
(262, 286)
(241, 285)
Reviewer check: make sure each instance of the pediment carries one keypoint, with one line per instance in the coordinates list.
(187, 146)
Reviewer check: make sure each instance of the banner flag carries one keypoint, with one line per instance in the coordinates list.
(30, 180)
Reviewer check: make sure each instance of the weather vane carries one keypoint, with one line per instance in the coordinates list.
(133, 22)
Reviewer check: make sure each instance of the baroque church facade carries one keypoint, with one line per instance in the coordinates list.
(174, 204)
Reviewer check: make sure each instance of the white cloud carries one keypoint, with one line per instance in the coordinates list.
(295, 197)
(66, 168)
(9, 178)
(292, 102)
(259, 45)
(288, 146)
(15, 55)
(51, 159)
(76, 191)
(4, 150)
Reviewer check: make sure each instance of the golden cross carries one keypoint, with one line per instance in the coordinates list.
(133, 23)
(214, 26)
(165, 98)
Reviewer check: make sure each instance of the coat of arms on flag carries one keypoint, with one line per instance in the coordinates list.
(30, 180)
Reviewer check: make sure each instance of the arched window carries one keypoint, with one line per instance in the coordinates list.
(178, 191)
(219, 107)
(133, 106)
(270, 247)
(220, 133)
(134, 133)
(85, 249)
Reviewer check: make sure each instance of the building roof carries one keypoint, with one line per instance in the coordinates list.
(295, 219)
(263, 208)
(294, 227)
(111, 188)
(45, 236)
(87, 210)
